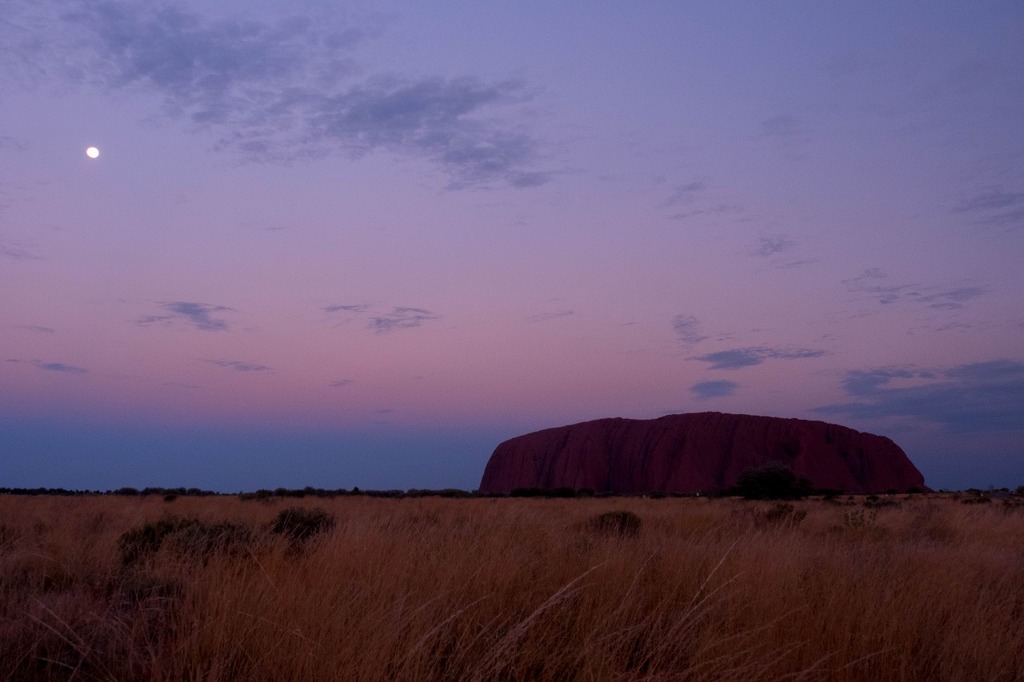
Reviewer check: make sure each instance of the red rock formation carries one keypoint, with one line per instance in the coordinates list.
(705, 451)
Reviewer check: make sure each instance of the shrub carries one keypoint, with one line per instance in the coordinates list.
(455, 493)
(621, 523)
(859, 519)
(187, 536)
(527, 492)
(299, 523)
(772, 482)
(140, 542)
(1011, 504)
(564, 491)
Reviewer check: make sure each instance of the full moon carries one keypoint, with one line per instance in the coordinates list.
(92, 152)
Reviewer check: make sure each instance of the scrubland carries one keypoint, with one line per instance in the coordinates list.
(138, 588)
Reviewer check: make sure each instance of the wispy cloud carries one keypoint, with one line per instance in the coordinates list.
(356, 308)
(553, 315)
(868, 382)
(60, 367)
(737, 358)
(994, 206)
(937, 297)
(16, 251)
(866, 276)
(686, 328)
(713, 389)
(710, 210)
(239, 366)
(287, 90)
(949, 299)
(37, 329)
(686, 193)
(772, 245)
(970, 398)
(200, 315)
(339, 383)
(401, 318)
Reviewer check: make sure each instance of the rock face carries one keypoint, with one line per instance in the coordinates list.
(705, 451)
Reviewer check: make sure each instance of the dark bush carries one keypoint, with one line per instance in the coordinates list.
(187, 536)
(622, 523)
(454, 493)
(772, 482)
(299, 523)
(561, 492)
(527, 492)
(140, 542)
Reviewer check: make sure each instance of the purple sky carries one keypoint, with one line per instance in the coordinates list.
(333, 245)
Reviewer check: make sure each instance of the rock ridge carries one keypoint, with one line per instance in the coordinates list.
(696, 452)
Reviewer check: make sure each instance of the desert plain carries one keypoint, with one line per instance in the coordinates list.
(356, 587)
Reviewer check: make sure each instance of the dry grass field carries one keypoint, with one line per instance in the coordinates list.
(138, 588)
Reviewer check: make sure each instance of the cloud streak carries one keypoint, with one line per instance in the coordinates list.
(868, 382)
(994, 206)
(15, 251)
(705, 390)
(686, 193)
(59, 367)
(737, 358)
(686, 328)
(772, 245)
(239, 366)
(401, 318)
(357, 308)
(199, 315)
(936, 297)
(554, 315)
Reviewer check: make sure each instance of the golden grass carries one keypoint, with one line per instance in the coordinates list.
(517, 589)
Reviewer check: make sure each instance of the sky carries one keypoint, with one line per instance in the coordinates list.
(360, 244)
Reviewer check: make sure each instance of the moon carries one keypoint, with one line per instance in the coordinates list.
(92, 152)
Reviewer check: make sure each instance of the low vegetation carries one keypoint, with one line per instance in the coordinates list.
(203, 587)
(772, 482)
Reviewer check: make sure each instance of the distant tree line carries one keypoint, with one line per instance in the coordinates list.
(773, 481)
